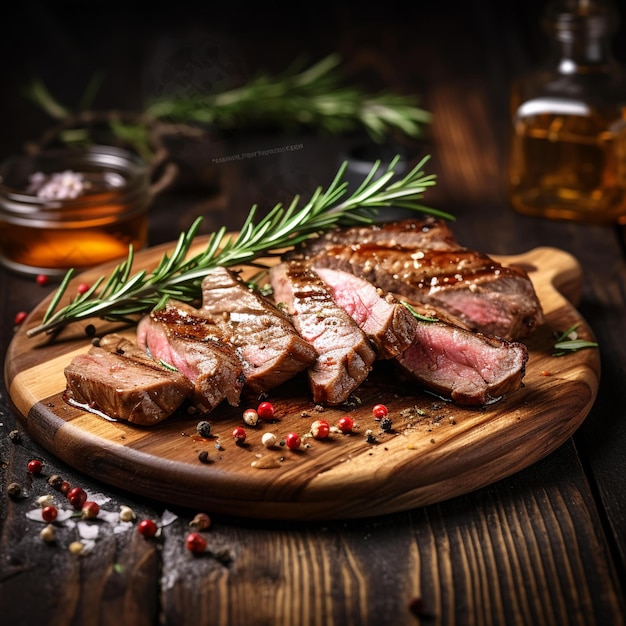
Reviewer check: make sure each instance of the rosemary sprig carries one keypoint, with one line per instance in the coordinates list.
(568, 341)
(314, 97)
(123, 294)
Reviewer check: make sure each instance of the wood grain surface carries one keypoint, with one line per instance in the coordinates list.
(435, 451)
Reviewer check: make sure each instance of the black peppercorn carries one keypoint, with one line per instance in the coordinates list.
(14, 490)
(203, 428)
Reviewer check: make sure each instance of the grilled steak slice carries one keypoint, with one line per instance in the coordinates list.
(271, 349)
(388, 324)
(466, 367)
(345, 356)
(181, 337)
(421, 262)
(121, 386)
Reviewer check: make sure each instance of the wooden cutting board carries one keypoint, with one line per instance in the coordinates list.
(435, 451)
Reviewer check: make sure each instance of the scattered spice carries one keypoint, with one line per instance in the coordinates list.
(82, 288)
(35, 466)
(293, 441)
(266, 411)
(90, 510)
(147, 528)
(379, 411)
(15, 436)
(49, 513)
(47, 533)
(195, 543)
(320, 429)
(77, 497)
(203, 456)
(76, 547)
(239, 434)
(345, 424)
(14, 490)
(203, 428)
(42, 280)
(386, 424)
(250, 417)
(20, 317)
(127, 514)
(55, 481)
(269, 440)
(200, 521)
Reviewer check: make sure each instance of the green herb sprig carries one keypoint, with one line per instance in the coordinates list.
(313, 97)
(125, 294)
(568, 341)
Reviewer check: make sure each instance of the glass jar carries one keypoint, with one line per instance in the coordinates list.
(568, 144)
(72, 208)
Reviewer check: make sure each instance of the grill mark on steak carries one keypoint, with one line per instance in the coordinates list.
(345, 356)
(181, 337)
(271, 349)
(466, 367)
(421, 262)
(124, 384)
(388, 324)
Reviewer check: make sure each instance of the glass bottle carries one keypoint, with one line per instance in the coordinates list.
(568, 144)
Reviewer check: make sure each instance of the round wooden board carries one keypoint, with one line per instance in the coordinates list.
(435, 451)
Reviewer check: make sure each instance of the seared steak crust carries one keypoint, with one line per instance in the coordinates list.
(466, 367)
(125, 385)
(388, 324)
(271, 349)
(421, 262)
(345, 356)
(181, 337)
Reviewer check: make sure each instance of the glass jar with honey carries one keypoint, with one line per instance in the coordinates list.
(72, 208)
(568, 142)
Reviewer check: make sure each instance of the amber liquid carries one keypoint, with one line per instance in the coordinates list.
(54, 250)
(568, 167)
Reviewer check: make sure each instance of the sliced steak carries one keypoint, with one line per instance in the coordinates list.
(179, 336)
(388, 324)
(345, 356)
(120, 386)
(466, 367)
(270, 347)
(421, 262)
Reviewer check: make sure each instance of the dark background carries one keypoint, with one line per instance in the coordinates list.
(142, 52)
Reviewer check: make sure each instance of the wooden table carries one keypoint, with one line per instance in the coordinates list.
(546, 546)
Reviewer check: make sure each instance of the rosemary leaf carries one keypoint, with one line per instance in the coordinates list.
(178, 275)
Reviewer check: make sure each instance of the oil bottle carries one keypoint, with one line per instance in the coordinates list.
(568, 142)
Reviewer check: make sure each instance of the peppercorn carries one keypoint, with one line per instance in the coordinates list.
(14, 490)
(15, 436)
(195, 543)
(49, 513)
(203, 428)
(201, 521)
(47, 533)
(126, 514)
(386, 424)
(35, 466)
(293, 441)
(20, 317)
(147, 528)
(90, 510)
(380, 411)
(266, 411)
(239, 435)
(268, 440)
(55, 481)
(203, 456)
(345, 424)
(77, 497)
(320, 429)
(250, 417)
